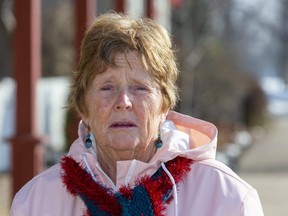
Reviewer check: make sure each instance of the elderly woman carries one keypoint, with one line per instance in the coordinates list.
(134, 156)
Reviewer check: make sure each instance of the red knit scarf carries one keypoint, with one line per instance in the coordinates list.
(149, 196)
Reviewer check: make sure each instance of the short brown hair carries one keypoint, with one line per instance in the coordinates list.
(113, 33)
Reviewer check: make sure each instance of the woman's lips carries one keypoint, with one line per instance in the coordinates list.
(123, 124)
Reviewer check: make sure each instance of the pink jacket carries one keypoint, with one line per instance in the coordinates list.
(211, 188)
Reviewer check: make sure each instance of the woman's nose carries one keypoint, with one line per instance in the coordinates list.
(123, 100)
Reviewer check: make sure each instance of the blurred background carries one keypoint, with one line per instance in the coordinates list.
(233, 58)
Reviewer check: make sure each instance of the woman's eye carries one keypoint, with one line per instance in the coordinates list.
(106, 88)
(141, 88)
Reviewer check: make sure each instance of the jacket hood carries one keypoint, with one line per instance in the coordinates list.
(186, 136)
(182, 135)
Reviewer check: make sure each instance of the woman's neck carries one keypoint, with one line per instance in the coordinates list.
(108, 159)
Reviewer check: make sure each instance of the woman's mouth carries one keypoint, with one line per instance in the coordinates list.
(123, 124)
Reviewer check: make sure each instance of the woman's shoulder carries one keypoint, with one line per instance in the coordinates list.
(50, 176)
(221, 173)
(46, 193)
(217, 185)
(221, 182)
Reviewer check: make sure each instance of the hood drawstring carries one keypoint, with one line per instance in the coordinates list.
(174, 188)
(130, 172)
(106, 176)
(88, 169)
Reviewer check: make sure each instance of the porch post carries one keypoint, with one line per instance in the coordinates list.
(27, 153)
(85, 12)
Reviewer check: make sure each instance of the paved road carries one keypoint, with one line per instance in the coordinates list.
(5, 184)
(265, 166)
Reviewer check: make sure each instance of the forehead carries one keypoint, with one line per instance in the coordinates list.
(131, 59)
(127, 64)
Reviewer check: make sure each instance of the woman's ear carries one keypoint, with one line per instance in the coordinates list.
(85, 120)
(85, 123)
(164, 116)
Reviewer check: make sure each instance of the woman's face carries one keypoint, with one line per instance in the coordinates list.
(124, 106)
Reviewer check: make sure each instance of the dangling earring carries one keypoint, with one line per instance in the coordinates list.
(88, 141)
(158, 143)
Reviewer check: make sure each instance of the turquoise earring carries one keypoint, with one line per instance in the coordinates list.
(88, 141)
(158, 142)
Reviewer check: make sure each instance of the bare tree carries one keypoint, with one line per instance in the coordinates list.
(57, 37)
(283, 40)
(6, 26)
(213, 85)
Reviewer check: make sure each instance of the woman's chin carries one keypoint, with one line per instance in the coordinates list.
(124, 143)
